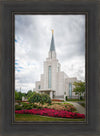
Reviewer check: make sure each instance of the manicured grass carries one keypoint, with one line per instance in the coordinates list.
(75, 100)
(29, 117)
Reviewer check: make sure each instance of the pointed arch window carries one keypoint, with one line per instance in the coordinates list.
(49, 77)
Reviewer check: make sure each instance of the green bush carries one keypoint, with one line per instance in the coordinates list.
(35, 106)
(36, 97)
(66, 98)
(24, 105)
(45, 99)
(18, 107)
(42, 98)
(81, 98)
(27, 106)
(39, 107)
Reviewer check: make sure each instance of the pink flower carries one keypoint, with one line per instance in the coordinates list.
(51, 113)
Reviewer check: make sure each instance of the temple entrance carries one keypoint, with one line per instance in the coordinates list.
(51, 93)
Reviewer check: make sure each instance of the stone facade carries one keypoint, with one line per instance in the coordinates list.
(53, 81)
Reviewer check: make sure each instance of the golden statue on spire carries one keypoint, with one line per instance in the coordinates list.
(52, 31)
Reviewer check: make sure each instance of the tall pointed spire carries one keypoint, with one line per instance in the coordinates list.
(52, 46)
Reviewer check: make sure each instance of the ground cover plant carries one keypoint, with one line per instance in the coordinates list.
(53, 105)
(51, 113)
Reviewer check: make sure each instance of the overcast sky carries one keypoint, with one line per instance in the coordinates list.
(32, 43)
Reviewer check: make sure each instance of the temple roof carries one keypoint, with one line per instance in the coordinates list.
(52, 46)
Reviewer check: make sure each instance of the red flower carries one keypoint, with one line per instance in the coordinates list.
(51, 113)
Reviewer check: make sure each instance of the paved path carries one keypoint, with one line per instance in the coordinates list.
(79, 108)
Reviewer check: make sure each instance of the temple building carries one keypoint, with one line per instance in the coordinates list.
(53, 81)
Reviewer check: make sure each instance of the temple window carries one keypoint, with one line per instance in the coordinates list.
(39, 87)
(49, 77)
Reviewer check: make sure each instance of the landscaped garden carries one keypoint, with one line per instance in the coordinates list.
(39, 107)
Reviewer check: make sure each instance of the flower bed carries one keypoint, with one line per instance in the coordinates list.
(57, 100)
(51, 113)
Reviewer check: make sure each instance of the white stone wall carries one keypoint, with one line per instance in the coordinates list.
(70, 80)
(53, 63)
(54, 74)
(37, 85)
(60, 84)
(59, 80)
(42, 81)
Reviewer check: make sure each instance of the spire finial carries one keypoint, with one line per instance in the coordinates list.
(52, 31)
(52, 46)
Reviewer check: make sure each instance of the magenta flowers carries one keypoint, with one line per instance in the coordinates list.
(51, 113)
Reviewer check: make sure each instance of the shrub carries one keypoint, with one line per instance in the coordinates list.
(81, 98)
(36, 97)
(45, 99)
(27, 106)
(40, 98)
(18, 107)
(39, 107)
(71, 108)
(35, 106)
(66, 98)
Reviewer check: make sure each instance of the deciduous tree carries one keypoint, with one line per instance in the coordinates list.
(79, 88)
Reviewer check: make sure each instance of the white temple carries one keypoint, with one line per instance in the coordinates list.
(53, 81)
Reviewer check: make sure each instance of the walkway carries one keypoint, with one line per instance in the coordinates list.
(79, 108)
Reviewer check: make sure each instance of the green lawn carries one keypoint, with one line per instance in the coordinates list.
(29, 117)
(75, 100)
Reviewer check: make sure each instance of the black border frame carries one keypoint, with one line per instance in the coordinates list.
(92, 127)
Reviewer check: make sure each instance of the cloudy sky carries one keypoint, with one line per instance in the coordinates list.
(32, 43)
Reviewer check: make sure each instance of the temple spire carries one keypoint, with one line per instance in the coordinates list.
(52, 31)
(52, 46)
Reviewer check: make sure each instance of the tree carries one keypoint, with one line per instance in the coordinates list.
(20, 96)
(16, 95)
(29, 93)
(79, 88)
(24, 94)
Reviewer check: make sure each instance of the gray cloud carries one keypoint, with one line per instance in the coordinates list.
(33, 35)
